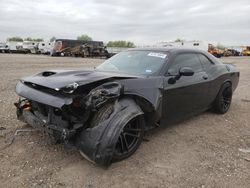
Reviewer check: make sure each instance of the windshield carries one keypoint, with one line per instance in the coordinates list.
(135, 62)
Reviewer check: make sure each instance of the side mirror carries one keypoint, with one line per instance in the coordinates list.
(186, 71)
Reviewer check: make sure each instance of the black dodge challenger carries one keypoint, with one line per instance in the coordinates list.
(104, 113)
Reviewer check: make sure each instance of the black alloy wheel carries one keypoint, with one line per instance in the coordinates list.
(226, 99)
(223, 99)
(129, 139)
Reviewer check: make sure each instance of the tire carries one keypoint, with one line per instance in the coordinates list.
(102, 114)
(223, 100)
(130, 137)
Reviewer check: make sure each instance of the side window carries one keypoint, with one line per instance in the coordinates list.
(185, 60)
(206, 63)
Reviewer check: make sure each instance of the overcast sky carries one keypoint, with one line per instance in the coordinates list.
(141, 21)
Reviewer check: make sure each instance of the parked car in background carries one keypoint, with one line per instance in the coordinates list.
(4, 48)
(231, 52)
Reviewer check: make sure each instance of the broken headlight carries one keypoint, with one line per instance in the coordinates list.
(70, 88)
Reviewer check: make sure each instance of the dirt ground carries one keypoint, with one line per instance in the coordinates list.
(200, 152)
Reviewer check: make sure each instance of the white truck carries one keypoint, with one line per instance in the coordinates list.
(44, 48)
(30, 46)
(15, 47)
(185, 44)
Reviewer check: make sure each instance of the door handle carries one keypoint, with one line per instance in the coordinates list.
(205, 77)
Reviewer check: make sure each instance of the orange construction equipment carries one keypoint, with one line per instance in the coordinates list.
(215, 51)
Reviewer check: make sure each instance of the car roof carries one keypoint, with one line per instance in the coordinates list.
(167, 49)
(176, 50)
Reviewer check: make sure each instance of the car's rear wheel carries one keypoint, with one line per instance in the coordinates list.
(129, 139)
(223, 99)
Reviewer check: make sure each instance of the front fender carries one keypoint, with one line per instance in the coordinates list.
(98, 143)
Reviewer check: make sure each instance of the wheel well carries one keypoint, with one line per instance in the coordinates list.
(150, 115)
(143, 103)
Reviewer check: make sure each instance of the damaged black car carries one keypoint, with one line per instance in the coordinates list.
(104, 113)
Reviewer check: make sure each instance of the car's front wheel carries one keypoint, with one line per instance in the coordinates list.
(223, 99)
(123, 132)
(129, 139)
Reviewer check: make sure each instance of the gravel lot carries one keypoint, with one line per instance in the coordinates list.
(200, 152)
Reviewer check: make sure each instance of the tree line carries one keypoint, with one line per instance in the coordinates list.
(118, 43)
(121, 43)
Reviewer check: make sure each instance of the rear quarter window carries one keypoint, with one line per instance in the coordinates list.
(206, 63)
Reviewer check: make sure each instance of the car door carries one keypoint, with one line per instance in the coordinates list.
(185, 96)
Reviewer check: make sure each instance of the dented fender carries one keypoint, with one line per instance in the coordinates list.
(98, 143)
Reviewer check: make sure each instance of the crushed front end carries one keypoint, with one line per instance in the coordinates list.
(67, 117)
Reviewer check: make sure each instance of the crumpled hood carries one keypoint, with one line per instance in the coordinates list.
(61, 78)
